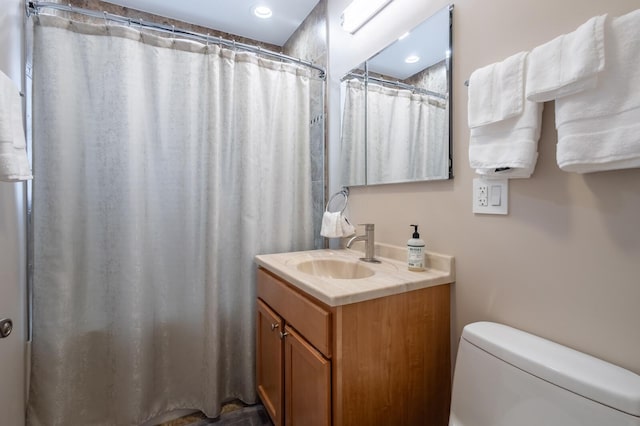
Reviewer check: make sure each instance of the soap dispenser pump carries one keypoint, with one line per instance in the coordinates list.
(415, 251)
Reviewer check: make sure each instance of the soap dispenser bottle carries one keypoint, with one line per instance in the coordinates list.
(415, 251)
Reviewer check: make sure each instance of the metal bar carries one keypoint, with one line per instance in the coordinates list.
(399, 84)
(34, 7)
(29, 190)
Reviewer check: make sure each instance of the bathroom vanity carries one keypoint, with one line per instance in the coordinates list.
(342, 342)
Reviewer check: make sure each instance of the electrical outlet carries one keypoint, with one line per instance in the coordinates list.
(490, 196)
(482, 198)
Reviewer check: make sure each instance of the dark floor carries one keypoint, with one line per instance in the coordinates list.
(232, 415)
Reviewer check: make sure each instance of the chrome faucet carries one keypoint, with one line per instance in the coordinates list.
(369, 243)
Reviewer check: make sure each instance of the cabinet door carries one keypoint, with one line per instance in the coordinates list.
(269, 359)
(307, 383)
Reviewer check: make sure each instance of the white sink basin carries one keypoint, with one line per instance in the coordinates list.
(335, 269)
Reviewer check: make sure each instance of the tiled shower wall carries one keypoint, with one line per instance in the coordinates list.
(309, 42)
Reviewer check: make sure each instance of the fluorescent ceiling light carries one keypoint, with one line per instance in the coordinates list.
(262, 12)
(359, 12)
(403, 36)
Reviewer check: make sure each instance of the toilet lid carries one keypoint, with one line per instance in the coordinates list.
(575, 371)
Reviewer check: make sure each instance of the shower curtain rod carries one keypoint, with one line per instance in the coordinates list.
(34, 7)
(396, 84)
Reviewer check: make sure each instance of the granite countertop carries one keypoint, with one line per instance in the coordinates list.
(390, 277)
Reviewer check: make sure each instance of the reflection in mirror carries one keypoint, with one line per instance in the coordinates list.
(352, 144)
(396, 113)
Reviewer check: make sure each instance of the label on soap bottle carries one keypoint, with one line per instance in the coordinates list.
(415, 258)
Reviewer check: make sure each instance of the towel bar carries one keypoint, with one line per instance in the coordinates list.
(345, 193)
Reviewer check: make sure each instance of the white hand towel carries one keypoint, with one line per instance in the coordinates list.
(335, 225)
(567, 64)
(347, 228)
(496, 92)
(599, 129)
(331, 225)
(508, 148)
(14, 165)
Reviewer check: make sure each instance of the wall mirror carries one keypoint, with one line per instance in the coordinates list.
(396, 114)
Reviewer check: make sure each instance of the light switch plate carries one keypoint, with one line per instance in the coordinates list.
(490, 196)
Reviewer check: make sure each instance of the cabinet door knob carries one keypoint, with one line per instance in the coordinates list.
(283, 335)
(274, 326)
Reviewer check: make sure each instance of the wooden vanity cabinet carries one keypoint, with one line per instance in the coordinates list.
(384, 361)
(307, 383)
(269, 368)
(293, 372)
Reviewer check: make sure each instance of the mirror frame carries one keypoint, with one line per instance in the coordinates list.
(448, 61)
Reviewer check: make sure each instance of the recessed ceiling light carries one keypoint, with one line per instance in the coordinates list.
(262, 12)
(403, 36)
(412, 59)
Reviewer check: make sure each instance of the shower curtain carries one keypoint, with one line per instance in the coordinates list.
(352, 138)
(406, 136)
(162, 167)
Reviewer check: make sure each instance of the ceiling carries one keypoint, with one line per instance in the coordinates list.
(429, 41)
(232, 16)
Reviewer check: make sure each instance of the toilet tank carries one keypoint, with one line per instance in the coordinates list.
(506, 377)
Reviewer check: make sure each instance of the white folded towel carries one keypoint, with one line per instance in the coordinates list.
(496, 92)
(14, 165)
(567, 64)
(335, 225)
(599, 129)
(508, 148)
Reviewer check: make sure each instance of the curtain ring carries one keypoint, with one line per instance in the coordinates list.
(207, 40)
(106, 21)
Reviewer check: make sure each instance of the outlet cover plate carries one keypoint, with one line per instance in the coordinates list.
(491, 196)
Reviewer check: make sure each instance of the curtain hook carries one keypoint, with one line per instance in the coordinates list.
(106, 22)
(207, 39)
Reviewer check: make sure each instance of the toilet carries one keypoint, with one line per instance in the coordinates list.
(506, 377)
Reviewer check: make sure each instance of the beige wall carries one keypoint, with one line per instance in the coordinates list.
(565, 263)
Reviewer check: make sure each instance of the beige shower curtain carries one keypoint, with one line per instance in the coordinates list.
(353, 151)
(406, 134)
(162, 167)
